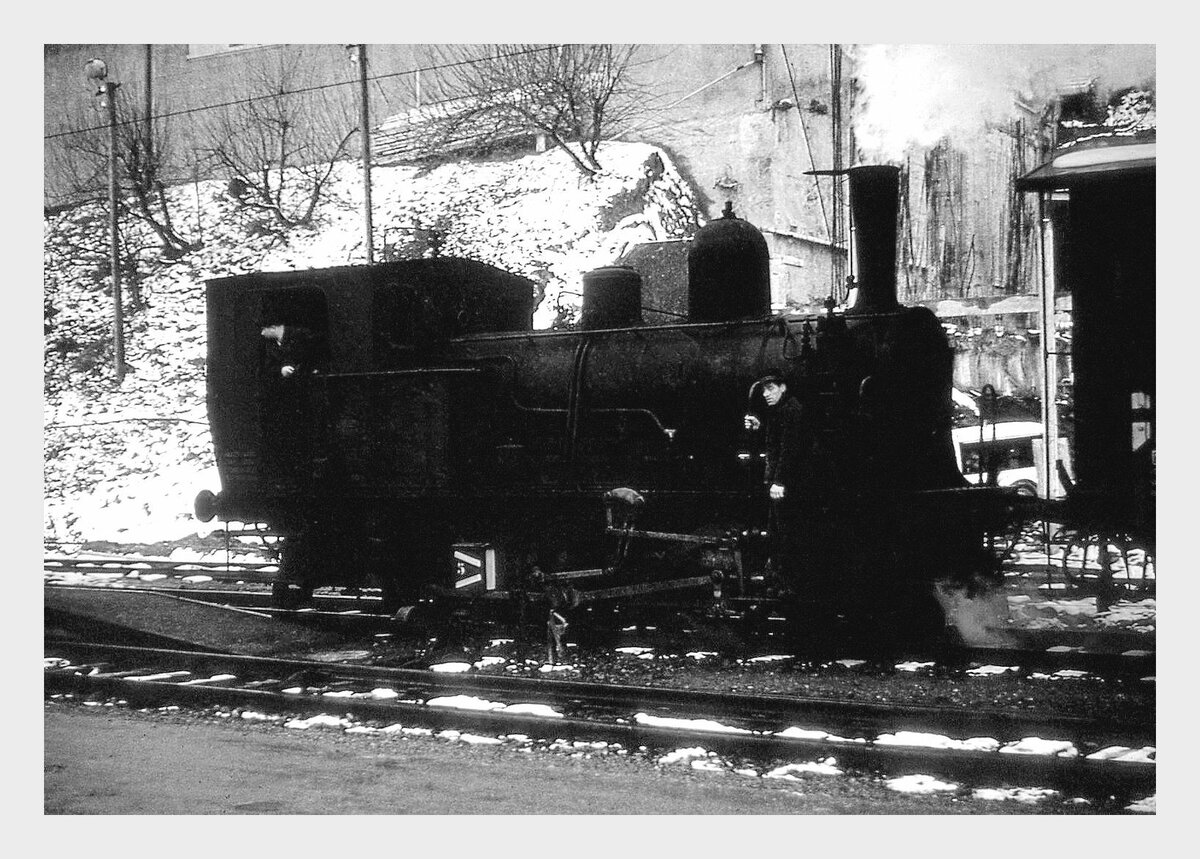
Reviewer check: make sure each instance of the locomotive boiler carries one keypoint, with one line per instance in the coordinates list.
(428, 438)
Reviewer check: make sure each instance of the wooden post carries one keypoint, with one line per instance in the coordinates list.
(365, 124)
(110, 96)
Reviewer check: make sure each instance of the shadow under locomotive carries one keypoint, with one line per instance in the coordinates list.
(402, 424)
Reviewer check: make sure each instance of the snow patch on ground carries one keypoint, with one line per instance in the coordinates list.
(919, 784)
(826, 766)
(1144, 806)
(1024, 795)
(936, 741)
(687, 724)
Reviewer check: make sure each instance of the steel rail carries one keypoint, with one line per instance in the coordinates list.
(262, 601)
(1080, 775)
(99, 564)
(843, 714)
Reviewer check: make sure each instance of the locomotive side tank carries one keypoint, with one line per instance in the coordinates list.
(432, 415)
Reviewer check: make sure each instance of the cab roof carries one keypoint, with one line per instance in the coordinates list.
(1091, 163)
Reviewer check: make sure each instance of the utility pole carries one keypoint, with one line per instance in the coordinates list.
(365, 126)
(1052, 485)
(114, 246)
(149, 104)
(837, 230)
(96, 70)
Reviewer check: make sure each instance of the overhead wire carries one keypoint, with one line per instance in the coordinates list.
(807, 143)
(300, 91)
(694, 92)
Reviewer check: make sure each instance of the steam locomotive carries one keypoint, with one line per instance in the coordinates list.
(429, 440)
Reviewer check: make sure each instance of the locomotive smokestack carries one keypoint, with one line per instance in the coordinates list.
(874, 205)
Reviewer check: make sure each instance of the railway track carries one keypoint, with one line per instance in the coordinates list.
(1101, 655)
(1095, 758)
(223, 571)
(362, 610)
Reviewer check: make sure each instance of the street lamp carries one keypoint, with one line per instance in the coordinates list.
(106, 90)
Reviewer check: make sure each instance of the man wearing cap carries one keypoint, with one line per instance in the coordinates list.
(788, 443)
(291, 416)
(291, 349)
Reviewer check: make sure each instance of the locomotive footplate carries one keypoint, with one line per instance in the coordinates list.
(579, 597)
(644, 588)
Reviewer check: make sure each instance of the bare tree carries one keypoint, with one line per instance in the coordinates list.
(575, 95)
(144, 153)
(279, 144)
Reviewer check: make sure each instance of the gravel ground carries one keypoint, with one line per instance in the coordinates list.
(114, 760)
(726, 664)
(713, 660)
(880, 683)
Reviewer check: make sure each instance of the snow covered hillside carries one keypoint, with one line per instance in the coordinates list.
(123, 464)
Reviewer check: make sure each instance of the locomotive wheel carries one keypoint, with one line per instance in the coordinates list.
(290, 595)
(427, 619)
(395, 597)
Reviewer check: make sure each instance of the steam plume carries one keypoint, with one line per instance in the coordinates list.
(920, 95)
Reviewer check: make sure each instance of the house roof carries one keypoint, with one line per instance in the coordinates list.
(450, 126)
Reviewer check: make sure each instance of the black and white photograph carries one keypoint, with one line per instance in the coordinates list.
(509, 429)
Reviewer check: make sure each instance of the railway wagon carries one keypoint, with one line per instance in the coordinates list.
(1097, 200)
(426, 436)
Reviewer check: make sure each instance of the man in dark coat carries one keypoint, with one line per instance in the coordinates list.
(290, 413)
(789, 443)
(291, 349)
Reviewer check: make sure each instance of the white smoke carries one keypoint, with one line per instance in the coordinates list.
(921, 95)
(979, 620)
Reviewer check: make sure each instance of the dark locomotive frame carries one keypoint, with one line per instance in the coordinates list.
(435, 445)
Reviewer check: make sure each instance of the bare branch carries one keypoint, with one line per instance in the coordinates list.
(280, 144)
(574, 95)
(143, 157)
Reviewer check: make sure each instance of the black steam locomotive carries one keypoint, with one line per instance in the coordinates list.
(407, 426)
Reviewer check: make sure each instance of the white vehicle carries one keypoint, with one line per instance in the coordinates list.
(1011, 449)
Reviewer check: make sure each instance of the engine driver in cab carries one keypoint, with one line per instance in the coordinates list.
(290, 348)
